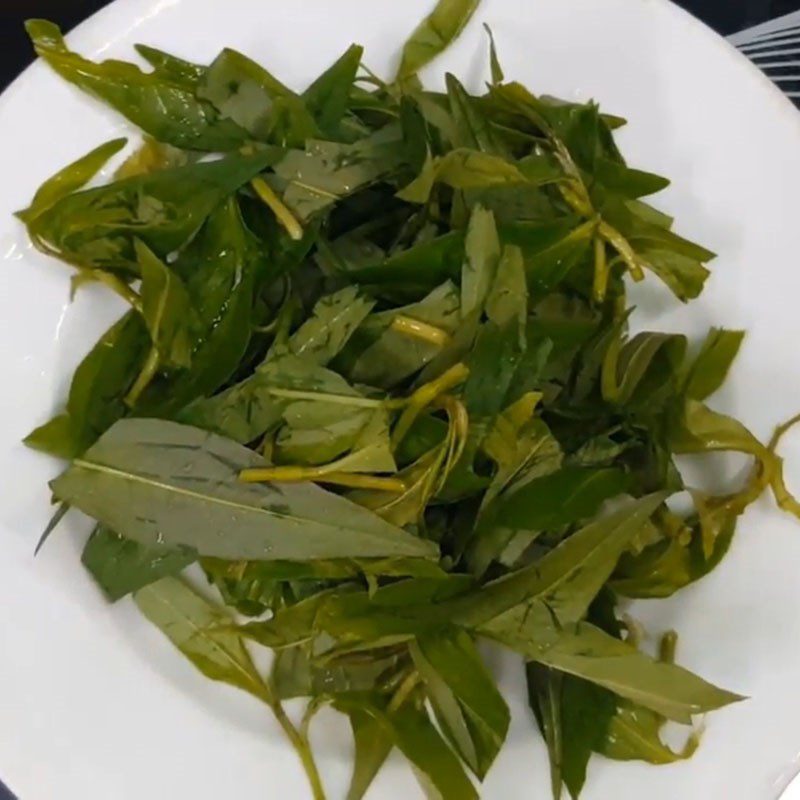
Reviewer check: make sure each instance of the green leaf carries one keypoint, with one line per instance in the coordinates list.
(673, 562)
(507, 301)
(710, 367)
(160, 106)
(434, 34)
(314, 179)
(202, 632)
(171, 67)
(586, 652)
(546, 503)
(646, 364)
(494, 61)
(436, 767)
(167, 309)
(244, 93)
(249, 408)
(471, 126)
(635, 735)
(295, 674)
(70, 179)
(568, 578)
(369, 446)
(96, 394)
(574, 717)
(121, 566)
(373, 744)
(461, 169)
(328, 97)
(631, 183)
(423, 266)
(685, 276)
(181, 487)
(468, 706)
(391, 355)
(165, 209)
(222, 269)
(482, 258)
(551, 501)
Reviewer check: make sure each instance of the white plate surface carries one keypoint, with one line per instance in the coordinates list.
(95, 704)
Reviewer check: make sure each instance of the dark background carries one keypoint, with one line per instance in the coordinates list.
(726, 16)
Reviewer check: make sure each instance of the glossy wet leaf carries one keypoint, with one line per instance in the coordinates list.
(162, 107)
(70, 179)
(434, 34)
(164, 209)
(98, 388)
(167, 309)
(185, 482)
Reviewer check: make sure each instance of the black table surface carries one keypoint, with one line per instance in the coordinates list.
(726, 16)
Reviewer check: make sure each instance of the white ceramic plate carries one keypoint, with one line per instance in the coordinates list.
(95, 704)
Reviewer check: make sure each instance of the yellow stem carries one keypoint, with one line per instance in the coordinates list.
(424, 396)
(147, 374)
(403, 692)
(420, 330)
(282, 213)
(601, 270)
(623, 247)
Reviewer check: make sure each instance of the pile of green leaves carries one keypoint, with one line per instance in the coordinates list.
(377, 381)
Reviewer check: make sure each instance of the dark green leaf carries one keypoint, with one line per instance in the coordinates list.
(121, 566)
(165, 209)
(328, 97)
(470, 710)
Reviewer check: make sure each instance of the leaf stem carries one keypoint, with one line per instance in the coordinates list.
(113, 282)
(623, 247)
(420, 330)
(783, 497)
(147, 374)
(301, 746)
(601, 270)
(403, 692)
(282, 213)
(296, 474)
(336, 399)
(424, 396)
